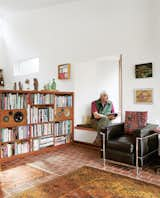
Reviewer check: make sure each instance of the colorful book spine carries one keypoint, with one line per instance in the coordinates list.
(21, 148)
(38, 130)
(38, 99)
(41, 115)
(13, 101)
(63, 101)
(62, 128)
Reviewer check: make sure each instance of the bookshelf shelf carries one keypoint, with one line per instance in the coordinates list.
(54, 108)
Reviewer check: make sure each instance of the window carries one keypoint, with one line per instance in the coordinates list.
(26, 67)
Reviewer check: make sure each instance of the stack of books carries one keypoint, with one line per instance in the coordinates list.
(21, 148)
(42, 99)
(6, 150)
(42, 129)
(63, 101)
(13, 101)
(41, 115)
(42, 142)
(60, 140)
(62, 128)
(46, 141)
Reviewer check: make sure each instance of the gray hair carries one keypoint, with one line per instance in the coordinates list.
(103, 93)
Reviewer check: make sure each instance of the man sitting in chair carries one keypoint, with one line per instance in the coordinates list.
(102, 111)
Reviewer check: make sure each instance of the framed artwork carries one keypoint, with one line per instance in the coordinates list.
(64, 71)
(144, 96)
(144, 70)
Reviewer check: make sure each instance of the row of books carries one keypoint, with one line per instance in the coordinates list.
(62, 128)
(19, 133)
(42, 129)
(42, 142)
(40, 115)
(8, 150)
(63, 101)
(21, 148)
(36, 130)
(20, 101)
(42, 99)
(13, 101)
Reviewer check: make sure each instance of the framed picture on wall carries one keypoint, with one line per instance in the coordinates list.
(143, 96)
(64, 71)
(144, 70)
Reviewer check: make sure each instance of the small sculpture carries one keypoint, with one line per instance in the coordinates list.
(35, 84)
(15, 86)
(1, 78)
(20, 86)
(27, 83)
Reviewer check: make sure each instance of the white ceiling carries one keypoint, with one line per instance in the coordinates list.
(11, 6)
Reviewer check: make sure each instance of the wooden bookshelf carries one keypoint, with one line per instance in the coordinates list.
(48, 118)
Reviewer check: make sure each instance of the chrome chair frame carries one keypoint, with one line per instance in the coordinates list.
(137, 149)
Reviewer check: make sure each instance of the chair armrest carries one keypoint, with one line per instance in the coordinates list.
(147, 143)
(145, 131)
(114, 130)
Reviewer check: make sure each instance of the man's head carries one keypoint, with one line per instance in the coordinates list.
(103, 97)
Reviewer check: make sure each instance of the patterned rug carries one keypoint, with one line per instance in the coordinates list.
(89, 182)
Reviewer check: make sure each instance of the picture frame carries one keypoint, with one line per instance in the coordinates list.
(64, 71)
(143, 96)
(144, 70)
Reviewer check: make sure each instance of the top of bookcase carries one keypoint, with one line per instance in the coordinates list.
(36, 92)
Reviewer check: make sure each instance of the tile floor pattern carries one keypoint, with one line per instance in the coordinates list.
(22, 174)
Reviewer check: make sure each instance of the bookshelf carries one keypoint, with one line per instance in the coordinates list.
(47, 122)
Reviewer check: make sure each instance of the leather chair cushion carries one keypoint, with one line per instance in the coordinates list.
(126, 144)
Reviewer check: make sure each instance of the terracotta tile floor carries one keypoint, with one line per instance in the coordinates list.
(22, 174)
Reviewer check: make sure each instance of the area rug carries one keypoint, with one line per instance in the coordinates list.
(88, 182)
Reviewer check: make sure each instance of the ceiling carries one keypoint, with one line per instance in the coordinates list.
(11, 6)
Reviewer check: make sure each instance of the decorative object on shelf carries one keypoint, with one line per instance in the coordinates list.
(20, 86)
(144, 96)
(1, 78)
(15, 86)
(64, 71)
(53, 84)
(27, 82)
(35, 84)
(144, 70)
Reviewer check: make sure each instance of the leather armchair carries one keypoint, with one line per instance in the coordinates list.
(121, 147)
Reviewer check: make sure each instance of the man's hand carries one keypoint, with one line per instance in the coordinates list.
(111, 117)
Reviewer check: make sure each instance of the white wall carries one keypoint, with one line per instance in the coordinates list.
(82, 31)
(91, 78)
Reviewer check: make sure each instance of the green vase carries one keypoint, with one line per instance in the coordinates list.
(53, 84)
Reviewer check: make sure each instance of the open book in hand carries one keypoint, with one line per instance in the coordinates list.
(113, 114)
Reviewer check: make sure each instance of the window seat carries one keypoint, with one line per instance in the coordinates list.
(85, 133)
